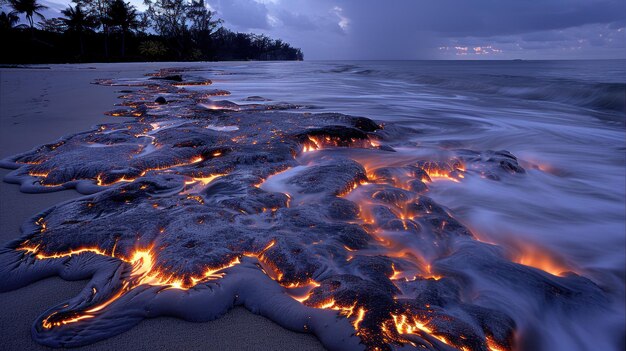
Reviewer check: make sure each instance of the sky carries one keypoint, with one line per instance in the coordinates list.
(430, 29)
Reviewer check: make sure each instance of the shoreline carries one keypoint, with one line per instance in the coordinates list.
(33, 110)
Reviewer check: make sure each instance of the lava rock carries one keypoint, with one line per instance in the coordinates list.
(172, 77)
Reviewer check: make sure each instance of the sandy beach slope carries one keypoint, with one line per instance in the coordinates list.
(39, 106)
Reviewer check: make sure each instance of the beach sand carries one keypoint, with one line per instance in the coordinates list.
(39, 106)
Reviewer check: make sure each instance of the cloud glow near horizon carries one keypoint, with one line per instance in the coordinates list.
(421, 29)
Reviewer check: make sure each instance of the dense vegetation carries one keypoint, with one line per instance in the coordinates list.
(114, 30)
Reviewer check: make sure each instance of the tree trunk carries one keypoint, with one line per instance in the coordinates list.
(123, 42)
(82, 45)
(32, 27)
(105, 29)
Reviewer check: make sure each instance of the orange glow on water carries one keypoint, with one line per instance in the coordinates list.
(451, 170)
(438, 175)
(493, 346)
(535, 257)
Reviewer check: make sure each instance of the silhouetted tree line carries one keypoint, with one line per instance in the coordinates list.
(113, 30)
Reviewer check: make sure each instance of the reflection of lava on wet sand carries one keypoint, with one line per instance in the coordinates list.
(313, 220)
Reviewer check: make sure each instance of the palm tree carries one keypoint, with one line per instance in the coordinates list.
(8, 21)
(123, 15)
(202, 20)
(99, 10)
(169, 19)
(28, 8)
(78, 21)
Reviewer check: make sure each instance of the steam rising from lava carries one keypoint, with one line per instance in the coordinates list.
(313, 220)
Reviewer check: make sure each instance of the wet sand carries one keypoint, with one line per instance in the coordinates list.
(39, 106)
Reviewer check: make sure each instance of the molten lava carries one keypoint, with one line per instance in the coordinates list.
(143, 272)
(347, 229)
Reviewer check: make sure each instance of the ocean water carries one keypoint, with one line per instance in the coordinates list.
(564, 120)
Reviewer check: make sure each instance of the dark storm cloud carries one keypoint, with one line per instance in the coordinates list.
(478, 18)
(243, 14)
(491, 17)
(297, 21)
(548, 36)
(374, 29)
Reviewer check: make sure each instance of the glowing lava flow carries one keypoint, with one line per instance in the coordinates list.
(437, 175)
(312, 145)
(493, 346)
(101, 182)
(443, 170)
(411, 325)
(204, 180)
(38, 174)
(318, 143)
(143, 272)
(537, 258)
(349, 230)
(301, 291)
(346, 311)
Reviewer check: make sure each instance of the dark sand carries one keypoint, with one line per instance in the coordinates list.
(39, 106)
